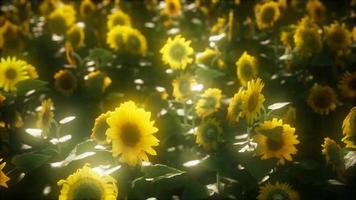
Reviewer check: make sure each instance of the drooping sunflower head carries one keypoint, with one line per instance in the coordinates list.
(322, 99)
(61, 18)
(3, 178)
(65, 82)
(172, 8)
(347, 85)
(100, 127)
(209, 102)
(11, 38)
(267, 14)
(278, 191)
(182, 87)
(339, 38)
(97, 81)
(45, 117)
(234, 111)
(287, 38)
(246, 68)
(307, 38)
(116, 37)
(177, 52)
(87, 8)
(331, 151)
(88, 184)
(316, 10)
(208, 134)
(12, 71)
(131, 133)
(211, 57)
(118, 18)
(252, 100)
(349, 123)
(135, 42)
(75, 36)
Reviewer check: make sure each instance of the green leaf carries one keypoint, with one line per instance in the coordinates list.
(194, 190)
(205, 73)
(277, 106)
(101, 56)
(159, 172)
(25, 86)
(29, 161)
(255, 166)
(273, 134)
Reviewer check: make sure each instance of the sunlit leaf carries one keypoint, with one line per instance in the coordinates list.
(277, 106)
(29, 161)
(25, 86)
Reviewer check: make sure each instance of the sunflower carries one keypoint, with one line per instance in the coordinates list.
(3, 177)
(118, 18)
(135, 42)
(322, 99)
(278, 191)
(172, 8)
(339, 39)
(176, 53)
(276, 140)
(246, 68)
(267, 14)
(12, 71)
(219, 27)
(354, 33)
(332, 152)
(11, 39)
(349, 129)
(2, 98)
(65, 82)
(116, 36)
(98, 81)
(252, 100)
(287, 38)
(182, 87)
(209, 102)
(235, 107)
(87, 8)
(208, 134)
(48, 6)
(211, 57)
(316, 10)
(45, 117)
(61, 18)
(75, 36)
(307, 38)
(100, 127)
(347, 85)
(131, 133)
(31, 71)
(88, 184)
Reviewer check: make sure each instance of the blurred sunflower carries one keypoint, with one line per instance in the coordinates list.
(131, 133)
(118, 18)
(279, 191)
(31, 71)
(75, 36)
(48, 6)
(287, 38)
(11, 38)
(2, 98)
(12, 71)
(61, 18)
(135, 42)
(116, 36)
(182, 87)
(65, 82)
(211, 57)
(349, 129)
(100, 127)
(87, 8)
(331, 151)
(322, 99)
(3, 177)
(307, 38)
(252, 100)
(235, 107)
(267, 13)
(97, 81)
(246, 68)
(45, 117)
(172, 8)
(276, 140)
(347, 85)
(88, 184)
(354, 33)
(209, 102)
(219, 27)
(176, 53)
(208, 134)
(316, 10)
(339, 39)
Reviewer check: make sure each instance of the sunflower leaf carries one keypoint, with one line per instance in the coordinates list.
(29, 161)
(101, 56)
(205, 73)
(277, 106)
(158, 172)
(23, 87)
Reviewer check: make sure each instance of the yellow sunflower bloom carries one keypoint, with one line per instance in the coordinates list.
(307, 38)
(12, 71)
(316, 10)
(219, 27)
(246, 68)
(211, 57)
(234, 111)
(88, 184)
(98, 81)
(287, 38)
(349, 123)
(45, 117)
(87, 8)
(135, 42)
(48, 6)
(65, 82)
(176, 53)
(277, 191)
(339, 39)
(347, 85)
(322, 99)
(31, 71)
(182, 87)
(3, 178)
(209, 102)
(116, 37)
(208, 134)
(331, 151)
(276, 140)
(100, 127)
(11, 39)
(172, 8)
(267, 14)
(61, 18)
(354, 33)
(131, 133)
(118, 18)
(2, 99)
(252, 100)
(75, 36)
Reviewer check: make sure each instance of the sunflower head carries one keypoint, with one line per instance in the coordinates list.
(307, 38)
(11, 38)
(339, 39)
(347, 85)
(211, 57)
(219, 26)
(276, 140)
(75, 36)
(316, 10)
(97, 81)
(322, 99)
(12, 71)
(131, 133)
(135, 42)
(45, 117)
(209, 102)
(100, 127)
(349, 123)
(65, 82)
(246, 68)
(31, 71)
(177, 52)
(115, 37)
(287, 38)
(252, 100)
(3, 178)
(172, 8)
(278, 191)
(331, 151)
(118, 18)
(235, 107)
(48, 6)
(267, 14)
(182, 87)
(61, 18)
(208, 134)
(88, 184)
(87, 8)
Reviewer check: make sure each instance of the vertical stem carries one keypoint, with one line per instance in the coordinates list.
(185, 117)
(218, 181)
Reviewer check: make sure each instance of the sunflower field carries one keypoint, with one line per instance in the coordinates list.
(178, 99)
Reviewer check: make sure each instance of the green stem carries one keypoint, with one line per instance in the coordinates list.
(218, 181)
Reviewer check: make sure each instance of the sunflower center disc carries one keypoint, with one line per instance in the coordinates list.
(87, 190)
(67, 82)
(184, 86)
(11, 74)
(322, 101)
(134, 43)
(130, 134)
(273, 144)
(247, 71)
(278, 194)
(268, 15)
(352, 84)
(210, 133)
(177, 52)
